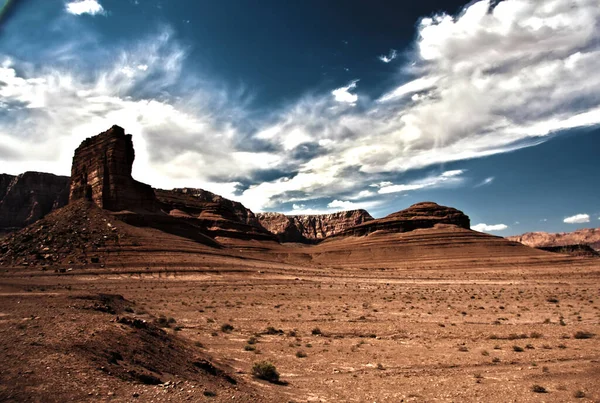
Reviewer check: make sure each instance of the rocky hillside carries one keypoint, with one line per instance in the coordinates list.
(311, 228)
(420, 215)
(217, 215)
(586, 236)
(28, 197)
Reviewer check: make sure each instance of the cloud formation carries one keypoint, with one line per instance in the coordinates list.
(485, 182)
(344, 95)
(80, 7)
(389, 57)
(577, 219)
(446, 179)
(496, 77)
(489, 228)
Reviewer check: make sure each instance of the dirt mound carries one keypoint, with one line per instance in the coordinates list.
(443, 244)
(76, 234)
(109, 348)
(573, 250)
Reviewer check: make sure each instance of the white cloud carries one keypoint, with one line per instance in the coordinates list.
(80, 7)
(448, 178)
(577, 219)
(485, 182)
(389, 57)
(344, 205)
(488, 228)
(343, 94)
(490, 80)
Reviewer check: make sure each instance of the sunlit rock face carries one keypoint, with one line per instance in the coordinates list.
(311, 228)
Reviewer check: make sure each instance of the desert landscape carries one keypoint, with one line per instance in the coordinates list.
(121, 292)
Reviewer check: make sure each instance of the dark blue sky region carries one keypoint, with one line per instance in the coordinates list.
(492, 107)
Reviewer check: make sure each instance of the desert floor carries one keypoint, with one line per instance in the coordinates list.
(451, 332)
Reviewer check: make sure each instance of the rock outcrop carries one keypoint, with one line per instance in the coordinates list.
(417, 216)
(101, 173)
(216, 215)
(586, 236)
(28, 197)
(311, 228)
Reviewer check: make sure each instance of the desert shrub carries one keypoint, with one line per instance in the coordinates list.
(265, 370)
(535, 335)
(273, 331)
(249, 347)
(316, 331)
(552, 300)
(579, 394)
(226, 328)
(301, 354)
(583, 335)
(538, 389)
(518, 349)
(252, 340)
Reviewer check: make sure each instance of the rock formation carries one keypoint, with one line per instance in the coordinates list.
(215, 215)
(420, 215)
(586, 236)
(101, 172)
(311, 228)
(28, 197)
(201, 203)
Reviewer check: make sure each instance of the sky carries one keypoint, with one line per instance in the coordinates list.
(310, 106)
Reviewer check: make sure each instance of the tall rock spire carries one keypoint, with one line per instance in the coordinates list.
(101, 172)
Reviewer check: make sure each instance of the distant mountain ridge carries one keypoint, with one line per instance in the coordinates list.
(585, 236)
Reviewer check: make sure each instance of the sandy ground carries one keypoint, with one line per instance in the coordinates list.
(440, 315)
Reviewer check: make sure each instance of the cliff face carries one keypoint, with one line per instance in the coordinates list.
(201, 203)
(311, 228)
(28, 197)
(101, 172)
(587, 236)
(217, 215)
(420, 215)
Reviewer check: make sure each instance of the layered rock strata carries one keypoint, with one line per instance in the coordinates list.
(28, 197)
(585, 236)
(101, 173)
(417, 216)
(311, 228)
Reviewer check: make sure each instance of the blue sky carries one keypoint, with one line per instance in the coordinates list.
(492, 107)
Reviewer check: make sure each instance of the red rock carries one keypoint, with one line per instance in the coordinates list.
(101, 172)
(585, 236)
(311, 228)
(417, 216)
(28, 197)
(216, 215)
